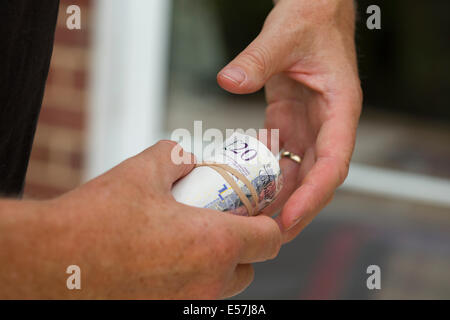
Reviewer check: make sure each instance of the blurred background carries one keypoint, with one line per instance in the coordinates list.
(139, 69)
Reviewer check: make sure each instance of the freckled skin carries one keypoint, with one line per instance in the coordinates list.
(130, 238)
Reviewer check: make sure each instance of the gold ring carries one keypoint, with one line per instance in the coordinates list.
(294, 157)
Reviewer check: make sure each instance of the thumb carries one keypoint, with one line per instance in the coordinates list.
(168, 162)
(250, 70)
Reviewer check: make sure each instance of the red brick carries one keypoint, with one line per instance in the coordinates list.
(79, 79)
(40, 153)
(61, 117)
(76, 160)
(75, 38)
(56, 160)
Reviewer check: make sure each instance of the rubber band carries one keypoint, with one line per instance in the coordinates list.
(225, 170)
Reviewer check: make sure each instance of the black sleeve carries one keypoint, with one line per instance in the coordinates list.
(26, 40)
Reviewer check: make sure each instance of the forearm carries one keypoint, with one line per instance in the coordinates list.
(34, 250)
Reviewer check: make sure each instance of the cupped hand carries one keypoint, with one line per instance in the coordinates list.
(305, 57)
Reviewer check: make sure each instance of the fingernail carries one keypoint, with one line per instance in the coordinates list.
(295, 223)
(234, 74)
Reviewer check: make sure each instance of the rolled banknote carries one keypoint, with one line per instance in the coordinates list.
(204, 187)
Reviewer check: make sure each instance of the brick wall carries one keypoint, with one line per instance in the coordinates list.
(56, 161)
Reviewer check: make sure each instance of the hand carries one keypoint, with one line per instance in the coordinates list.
(305, 56)
(131, 239)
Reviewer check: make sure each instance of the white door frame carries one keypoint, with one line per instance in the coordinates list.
(129, 68)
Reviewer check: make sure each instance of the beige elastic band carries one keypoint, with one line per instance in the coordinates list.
(225, 171)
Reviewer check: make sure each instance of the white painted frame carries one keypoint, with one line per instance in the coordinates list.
(397, 184)
(128, 80)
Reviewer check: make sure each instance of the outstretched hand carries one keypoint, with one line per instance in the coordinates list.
(305, 57)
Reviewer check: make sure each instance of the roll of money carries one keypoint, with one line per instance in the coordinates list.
(204, 187)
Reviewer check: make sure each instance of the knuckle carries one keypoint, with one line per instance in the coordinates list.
(163, 148)
(158, 151)
(259, 57)
(165, 142)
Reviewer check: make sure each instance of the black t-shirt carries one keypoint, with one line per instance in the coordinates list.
(26, 40)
